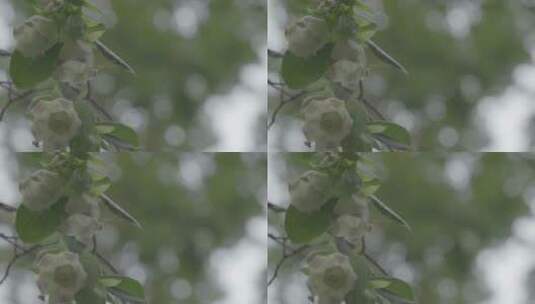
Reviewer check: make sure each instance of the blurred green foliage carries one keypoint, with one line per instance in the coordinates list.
(449, 70)
(190, 206)
(457, 204)
(177, 69)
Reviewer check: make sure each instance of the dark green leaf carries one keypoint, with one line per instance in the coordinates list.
(118, 131)
(391, 131)
(110, 55)
(304, 227)
(385, 57)
(394, 286)
(124, 285)
(88, 295)
(118, 210)
(299, 72)
(27, 72)
(33, 227)
(389, 212)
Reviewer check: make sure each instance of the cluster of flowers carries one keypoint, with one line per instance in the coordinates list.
(60, 273)
(55, 119)
(331, 275)
(327, 119)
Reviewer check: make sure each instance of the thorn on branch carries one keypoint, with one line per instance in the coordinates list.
(4, 53)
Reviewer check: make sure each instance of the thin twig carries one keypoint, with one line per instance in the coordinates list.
(7, 208)
(274, 54)
(275, 208)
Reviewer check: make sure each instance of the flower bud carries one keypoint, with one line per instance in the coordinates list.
(36, 35)
(327, 122)
(60, 276)
(41, 190)
(306, 36)
(310, 191)
(330, 277)
(82, 228)
(54, 122)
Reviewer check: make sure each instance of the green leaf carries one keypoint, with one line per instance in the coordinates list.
(124, 285)
(118, 131)
(111, 56)
(385, 57)
(100, 186)
(89, 295)
(304, 227)
(299, 72)
(27, 72)
(394, 286)
(119, 211)
(33, 227)
(383, 208)
(391, 131)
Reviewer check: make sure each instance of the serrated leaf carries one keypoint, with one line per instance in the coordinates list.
(27, 72)
(119, 211)
(33, 227)
(299, 72)
(389, 212)
(385, 57)
(114, 58)
(391, 131)
(395, 287)
(304, 227)
(119, 132)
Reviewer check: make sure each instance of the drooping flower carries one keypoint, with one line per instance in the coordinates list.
(310, 191)
(82, 228)
(41, 190)
(60, 276)
(330, 277)
(36, 35)
(54, 122)
(327, 122)
(307, 35)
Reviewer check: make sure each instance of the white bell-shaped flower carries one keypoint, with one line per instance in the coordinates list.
(85, 204)
(82, 228)
(355, 205)
(41, 190)
(307, 35)
(327, 122)
(36, 35)
(351, 228)
(330, 277)
(55, 123)
(347, 74)
(60, 276)
(310, 191)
